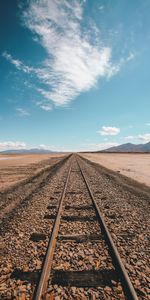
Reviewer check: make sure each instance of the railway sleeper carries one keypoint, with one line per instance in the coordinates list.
(80, 238)
(26, 276)
(78, 218)
(87, 278)
(37, 236)
(52, 206)
(49, 216)
(84, 207)
(57, 192)
(74, 192)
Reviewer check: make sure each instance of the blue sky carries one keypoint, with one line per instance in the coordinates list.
(74, 74)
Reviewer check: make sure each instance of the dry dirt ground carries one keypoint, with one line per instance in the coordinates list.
(16, 167)
(135, 166)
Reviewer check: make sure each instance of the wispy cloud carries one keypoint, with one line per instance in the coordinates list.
(51, 148)
(11, 145)
(22, 112)
(80, 147)
(129, 137)
(17, 63)
(97, 146)
(16, 145)
(44, 105)
(108, 130)
(145, 138)
(130, 56)
(74, 62)
(76, 57)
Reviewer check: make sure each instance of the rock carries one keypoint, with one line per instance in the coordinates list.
(108, 289)
(114, 282)
(57, 298)
(3, 286)
(134, 256)
(59, 291)
(2, 245)
(21, 235)
(25, 269)
(38, 264)
(137, 283)
(112, 216)
(107, 206)
(22, 297)
(55, 287)
(73, 288)
(80, 263)
(119, 289)
(22, 288)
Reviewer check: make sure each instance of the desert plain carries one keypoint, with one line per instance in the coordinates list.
(133, 165)
(17, 167)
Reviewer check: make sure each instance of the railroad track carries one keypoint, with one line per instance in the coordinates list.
(81, 261)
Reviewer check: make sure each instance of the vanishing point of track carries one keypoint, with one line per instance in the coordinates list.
(80, 278)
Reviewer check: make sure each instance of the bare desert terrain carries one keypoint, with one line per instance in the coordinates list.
(133, 165)
(16, 167)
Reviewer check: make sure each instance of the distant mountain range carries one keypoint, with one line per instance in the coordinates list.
(129, 147)
(27, 151)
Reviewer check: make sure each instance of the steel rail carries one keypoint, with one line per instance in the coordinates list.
(125, 280)
(43, 282)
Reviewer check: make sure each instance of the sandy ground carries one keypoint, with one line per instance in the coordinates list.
(7, 160)
(16, 167)
(136, 166)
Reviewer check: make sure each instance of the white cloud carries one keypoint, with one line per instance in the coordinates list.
(15, 145)
(11, 145)
(115, 68)
(17, 63)
(44, 105)
(145, 138)
(130, 137)
(81, 147)
(22, 112)
(53, 148)
(108, 130)
(148, 124)
(96, 147)
(76, 57)
(101, 7)
(46, 147)
(74, 63)
(130, 56)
